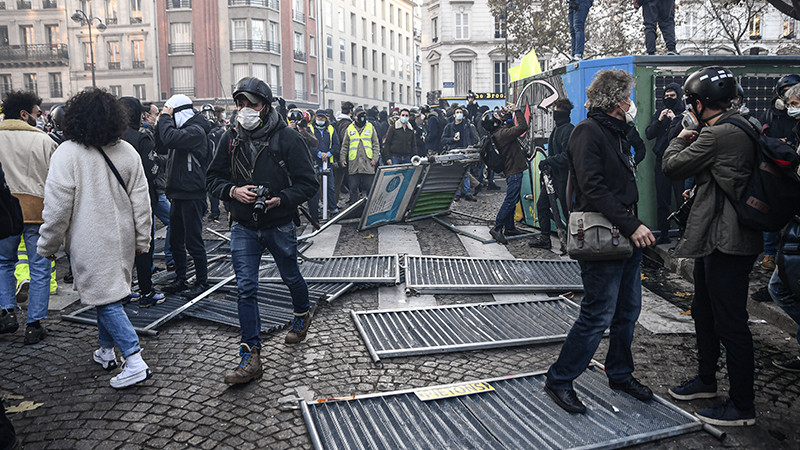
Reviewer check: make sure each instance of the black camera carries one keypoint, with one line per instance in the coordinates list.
(681, 216)
(263, 193)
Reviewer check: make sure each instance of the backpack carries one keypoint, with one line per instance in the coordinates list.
(772, 195)
(788, 258)
(11, 221)
(490, 155)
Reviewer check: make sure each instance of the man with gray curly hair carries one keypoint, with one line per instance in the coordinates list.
(603, 174)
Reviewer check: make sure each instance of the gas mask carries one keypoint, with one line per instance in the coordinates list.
(248, 118)
(690, 121)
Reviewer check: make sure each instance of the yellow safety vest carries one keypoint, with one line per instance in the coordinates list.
(330, 131)
(365, 137)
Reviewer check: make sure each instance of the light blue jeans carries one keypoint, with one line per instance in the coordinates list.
(113, 326)
(39, 293)
(162, 213)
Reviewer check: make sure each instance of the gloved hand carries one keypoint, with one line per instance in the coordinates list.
(544, 165)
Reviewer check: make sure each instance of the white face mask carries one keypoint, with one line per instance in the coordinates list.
(459, 117)
(404, 120)
(793, 112)
(248, 118)
(630, 114)
(320, 123)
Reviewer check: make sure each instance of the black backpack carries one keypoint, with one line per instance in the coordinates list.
(11, 220)
(490, 155)
(788, 258)
(772, 195)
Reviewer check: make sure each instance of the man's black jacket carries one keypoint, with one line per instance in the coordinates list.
(602, 171)
(557, 150)
(188, 156)
(666, 130)
(254, 157)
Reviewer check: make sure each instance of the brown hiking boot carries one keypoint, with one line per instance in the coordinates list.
(300, 325)
(247, 370)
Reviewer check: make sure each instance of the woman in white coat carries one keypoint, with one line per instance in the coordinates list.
(96, 202)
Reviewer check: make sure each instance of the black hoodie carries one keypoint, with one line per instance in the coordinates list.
(665, 130)
(188, 156)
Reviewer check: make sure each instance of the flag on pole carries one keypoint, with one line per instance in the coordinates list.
(529, 66)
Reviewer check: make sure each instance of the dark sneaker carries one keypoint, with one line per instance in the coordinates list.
(541, 242)
(33, 334)
(170, 267)
(694, 388)
(68, 278)
(22, 291)
(150, 299)
(726, 414)
(175, 287)
(249, 368)
(567, 399)
(497, 234)
(493, 187)
(513, 232)
(633, 388)
(300, 325)
(470, 198)
(789, 365)
(8, 321)
(457, 198)
(196, 290)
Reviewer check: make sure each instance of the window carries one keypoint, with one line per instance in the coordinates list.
(499, 27)
(139, 91)
(408, 71)
(260, 71)
(755, 26)
(312, 46)
(374, 33)
(342, 51)
(313, 87)
(136, 12)
(340, 16)
(329, 80)
(462, 25)
(383, 90)
(463, 77)
(374, 60)
(364, 86)
(788, 27)
(111, 12)
(26, 34)
(312, 10)
(257, 31)
(326, 12)
(383, 63)
(56, 90)
(3, 35)
(299, 42)
(391, 66)
(329, 46)
(238, 30)
(183, 81)
(391, 13)
(400, 92)
(408, 22)
(113, 55)
(391, 40)
(180, 36)
(115, 90)
(435, 30)
(690, 25)
(137, 54)
(354, 54)
(374, 88)
(353, 24)
(87, 56)
(275, 78)
(364, 57)
(383, 36)
(5, 85)
(300, 86)
(364, 28)
(434, 76)
(500, 74)
(51, 34)
(392, 91)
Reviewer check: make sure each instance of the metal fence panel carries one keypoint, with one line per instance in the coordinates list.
(381, 269)
(448, 274)
(516, 414)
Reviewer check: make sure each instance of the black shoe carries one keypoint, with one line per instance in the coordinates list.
(497, 234)
(493, 187)
(567, 399)
(68, 278)
(175, 287)
(513, 232)
(8, 321)
(726, 414)
(150, 299)
(170, 267)
(470, 198)
(196, 290)
(789, 365)
(457, 198)
(541, 242)
(693, 389)
(34, 334)
(634, 388)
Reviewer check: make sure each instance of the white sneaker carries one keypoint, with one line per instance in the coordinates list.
(134, 370)
(106, 358)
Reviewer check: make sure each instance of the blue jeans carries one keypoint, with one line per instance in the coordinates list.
(246, 248)
(162, 213)
(401, 160)
(39, 266)
(771, 243)
(577, 25)
(505, 217)
(784, 298)
(113, 326)
(612, 298)
(466, 189)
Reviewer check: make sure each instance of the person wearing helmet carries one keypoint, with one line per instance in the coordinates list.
(360, 153)
(263, 169)
(720, 157)
(56, 119)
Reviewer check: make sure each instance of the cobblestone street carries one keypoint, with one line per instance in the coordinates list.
(186, 404)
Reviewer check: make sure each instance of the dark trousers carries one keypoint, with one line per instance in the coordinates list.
(186, 234)
(543, 206)
(214, 201)
(665, 190)
(720, 315)
(144, 268)
(7, 434)
(359, 181)
(340, 176)
(612, 298)
(659, 13)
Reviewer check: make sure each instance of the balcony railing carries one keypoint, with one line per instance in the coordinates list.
(113, 66)
(138, 64)
(179, 4)
(34, 53)
(112, 20)
(188, 91)
(136, 19)
(298, 16)
(301, 95)
(266, 46)
(300, 56)
(23, 4)
(49, 4)
(271, 4)
(180, 48)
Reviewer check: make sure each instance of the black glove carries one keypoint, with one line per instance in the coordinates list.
(544, 165)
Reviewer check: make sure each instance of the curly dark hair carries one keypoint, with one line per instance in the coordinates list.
(17, 101)
(94, 118)
(563, 104)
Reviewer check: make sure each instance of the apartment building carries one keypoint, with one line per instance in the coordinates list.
(368, 53)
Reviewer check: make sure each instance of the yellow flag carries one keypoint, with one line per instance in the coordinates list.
(529, 66)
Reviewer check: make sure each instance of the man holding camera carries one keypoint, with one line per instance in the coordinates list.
(263, 169)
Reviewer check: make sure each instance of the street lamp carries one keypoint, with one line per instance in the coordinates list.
(81, 18)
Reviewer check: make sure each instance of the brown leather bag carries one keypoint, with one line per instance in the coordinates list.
(592, 237)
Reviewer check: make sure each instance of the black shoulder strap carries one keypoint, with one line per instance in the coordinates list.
(747, 127)
(113, 169)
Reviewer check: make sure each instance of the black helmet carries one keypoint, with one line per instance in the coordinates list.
(57, 117)
(786, 82)
(295, 115)
(254, 89)
(739, 91)
(710, 84)
(489, 122)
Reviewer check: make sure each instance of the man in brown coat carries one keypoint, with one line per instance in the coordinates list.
(506, 137)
